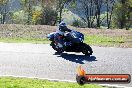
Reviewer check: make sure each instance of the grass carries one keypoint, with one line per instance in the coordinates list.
(98, 40)
(37, 34)
(10, 82)
(25, 40)
(101, 40)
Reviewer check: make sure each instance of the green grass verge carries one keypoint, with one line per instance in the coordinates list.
(10, 82)
(98, 40)
(25, 40)
(101, 40)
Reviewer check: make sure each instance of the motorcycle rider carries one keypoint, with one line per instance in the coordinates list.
(59, 35)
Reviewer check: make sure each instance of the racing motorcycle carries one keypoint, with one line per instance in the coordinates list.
(75, 40)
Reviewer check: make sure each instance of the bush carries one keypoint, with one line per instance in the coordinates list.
(49, 16)
(78, 23)
(19, 17)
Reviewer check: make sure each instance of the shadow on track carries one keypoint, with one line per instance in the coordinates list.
(77, 58)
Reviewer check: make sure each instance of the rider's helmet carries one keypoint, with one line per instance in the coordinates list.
(63, 27)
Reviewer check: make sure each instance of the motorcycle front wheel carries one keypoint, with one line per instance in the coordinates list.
(87, 50)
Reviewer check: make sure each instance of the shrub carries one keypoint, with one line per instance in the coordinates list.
(78, 23)
(49, 16)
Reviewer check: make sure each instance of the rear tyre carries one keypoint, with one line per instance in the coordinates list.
(59, 50)
(87, 50)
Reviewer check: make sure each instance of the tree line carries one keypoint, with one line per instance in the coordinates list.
(95, 13)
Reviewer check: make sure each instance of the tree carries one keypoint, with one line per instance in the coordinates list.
(18, 17)
(27, 6)
(48, 16)
(56, 5)
(60, 5)
(84, 9)
(129, 15)
(110, 7)
(98, 4)
(49, 13)
(122, 14)
(91, 10)
(3, 10)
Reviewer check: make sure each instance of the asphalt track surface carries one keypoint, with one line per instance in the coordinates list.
(40, 60)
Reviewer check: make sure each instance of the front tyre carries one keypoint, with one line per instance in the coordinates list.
(87, 50)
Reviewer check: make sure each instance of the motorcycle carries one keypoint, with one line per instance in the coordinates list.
(75, 40)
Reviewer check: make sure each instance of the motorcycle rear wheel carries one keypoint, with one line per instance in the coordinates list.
(59, 50)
